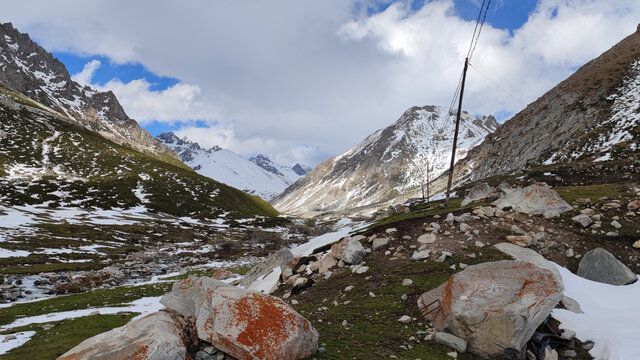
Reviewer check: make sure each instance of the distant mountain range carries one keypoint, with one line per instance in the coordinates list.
(388, 166)
(258, 175)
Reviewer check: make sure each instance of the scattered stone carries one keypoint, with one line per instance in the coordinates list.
(551, 214)
(616, 224)
(569, 353)
(427, 238)
(634, 205)
(407, 282)
(636, 244)
(327, 262)
(451, 341)
(349, 288)
(420, 255)
(405, 319)
(601, 266)
(583, 220)
(380, 243)
(549, 354)
(533, 199)
(516, 229)
(520, 240)
(449, 219)
(465, 228)
(479, 244)
(391, 231)
(569, 252)
(522, 295)
(349, 250)
(359, 269)
(587, 211)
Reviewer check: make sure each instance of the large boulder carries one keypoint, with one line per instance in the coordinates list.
(158, 336)
(530, 256)
(280, 259)
(349, 250)
(601, 266)
(495, 307)
(479, 192)
(533, 199)
(242, 323)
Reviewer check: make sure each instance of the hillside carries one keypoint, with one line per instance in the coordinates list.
(388, 166)
(258, 176)
(30, 70)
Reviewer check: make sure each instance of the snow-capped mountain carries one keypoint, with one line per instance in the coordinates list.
(258, 176)
(388, 166)
(30, 70)
(593, 115)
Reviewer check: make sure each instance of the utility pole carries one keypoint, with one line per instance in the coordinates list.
(455, 136)
(428, 192)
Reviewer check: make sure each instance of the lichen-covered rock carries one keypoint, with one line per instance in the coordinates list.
(533, 199)
(495, 307)
(158, 336)
(349, 250)
(242, 323)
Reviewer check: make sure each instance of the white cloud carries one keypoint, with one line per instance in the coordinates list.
(294, 77)
(84, 77)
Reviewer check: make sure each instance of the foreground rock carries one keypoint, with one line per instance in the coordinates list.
(158, 336)
(495, 307)
(601, 266)
(533, 199)
(241, 323)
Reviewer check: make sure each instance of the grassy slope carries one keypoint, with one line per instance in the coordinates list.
(110, 173)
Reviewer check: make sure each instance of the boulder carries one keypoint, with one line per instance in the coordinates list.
(478, 192)
(327, 262)
(451, 341)
(533, 199)
(583, 220)
(242, 323)
(157, 336)
(601, 266)
(348, 250)
(520, 240)
(427, 238)
(530, 256)
(495, 307)
(281, 258)
(380, 243)
(420, 255)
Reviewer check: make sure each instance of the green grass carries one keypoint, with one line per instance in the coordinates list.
(593, 192)
(97, 298)
(373, 327)
(63, 336)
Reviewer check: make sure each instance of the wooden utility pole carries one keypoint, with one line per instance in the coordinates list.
(428, 180)
(455, 136)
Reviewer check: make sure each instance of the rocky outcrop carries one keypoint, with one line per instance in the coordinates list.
(601, 266)
(495, 307)
(244, 324)
(534, 199)
(158, 336)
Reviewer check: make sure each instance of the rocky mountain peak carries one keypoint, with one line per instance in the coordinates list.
(29, 69)
(301, 169)
(264, 162)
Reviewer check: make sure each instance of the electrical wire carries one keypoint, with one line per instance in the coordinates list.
(498, 86)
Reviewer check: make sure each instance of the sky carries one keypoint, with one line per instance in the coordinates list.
(303, 80)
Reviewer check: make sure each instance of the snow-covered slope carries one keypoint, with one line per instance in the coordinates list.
(388, 166)
(30, 70)
(258, 176)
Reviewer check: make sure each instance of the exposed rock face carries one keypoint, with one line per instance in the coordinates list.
(243, 324)
(388, 166)
(588, 114)
(349, 250)
(31, 70)
(495, 307)
(601, 266)
(158, 336)
(282, 259)
(533, 199)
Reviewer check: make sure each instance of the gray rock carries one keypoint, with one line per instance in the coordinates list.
(451, 341)
(349, 250)
(157, 334)
(478, 192)
(533, 199)
(517, 294)
(616, 224)
(427, 238)
(380, 243)
(202, 355)
(281, 258)
(530, 256)
(449, 219)
(420, 255)
(569, 353)
(601, 266)
(583, 220)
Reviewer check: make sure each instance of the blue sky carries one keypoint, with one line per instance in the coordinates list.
(302, 80)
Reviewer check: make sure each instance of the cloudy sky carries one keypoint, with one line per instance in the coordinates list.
(303, 80)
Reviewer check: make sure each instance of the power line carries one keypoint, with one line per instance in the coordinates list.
(498, 86)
